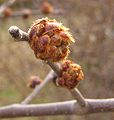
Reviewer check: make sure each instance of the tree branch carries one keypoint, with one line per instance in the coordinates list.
(21, 13)
(5, 5)
(75, 92)
(18, 34)
(59, 108)
(48, 78)
(69, 107)
(78, 96)
(55, 67)
(23, 36)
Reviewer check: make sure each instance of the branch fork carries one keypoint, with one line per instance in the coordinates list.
(20, 35)
(79, 106)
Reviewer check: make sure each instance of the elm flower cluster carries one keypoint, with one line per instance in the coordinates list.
(49, 40)
(71, 75)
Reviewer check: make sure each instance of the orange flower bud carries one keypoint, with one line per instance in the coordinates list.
(50, 40)
(26, 13)
(46, 8)
(71, 75)
(34, 80)
(7, 12)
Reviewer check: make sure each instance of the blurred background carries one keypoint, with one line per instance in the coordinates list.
(92, 25)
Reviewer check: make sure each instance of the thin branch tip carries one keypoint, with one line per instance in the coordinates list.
(14, 31)
(18, 34)
(12, 28)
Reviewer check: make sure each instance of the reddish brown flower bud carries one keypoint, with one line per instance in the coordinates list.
(7, 12)
(44, 40)
(50, 40)
(46, 7)
(71, 75)
(26, 13)
(34, 80)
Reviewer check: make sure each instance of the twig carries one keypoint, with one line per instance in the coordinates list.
(20, 35)
(75, 92)
(32, 12)
(5, 5)
(68, 108)
(55, 67)
(58, 108)
(48, 78)
(78, 96)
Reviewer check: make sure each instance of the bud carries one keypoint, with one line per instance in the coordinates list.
(71, 75)
(46, 7)
(34, 80)
(7, 12)
(50, 40)
(26, 13)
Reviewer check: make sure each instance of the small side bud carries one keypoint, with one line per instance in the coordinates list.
(34, 81)
(46, 7)
(7, 12)
(26, 13)
(71, 75)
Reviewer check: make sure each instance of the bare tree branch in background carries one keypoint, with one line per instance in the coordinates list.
(30, 12)
(6, 5)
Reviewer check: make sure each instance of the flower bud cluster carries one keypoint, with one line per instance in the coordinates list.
(71, 75)
(50, 40)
